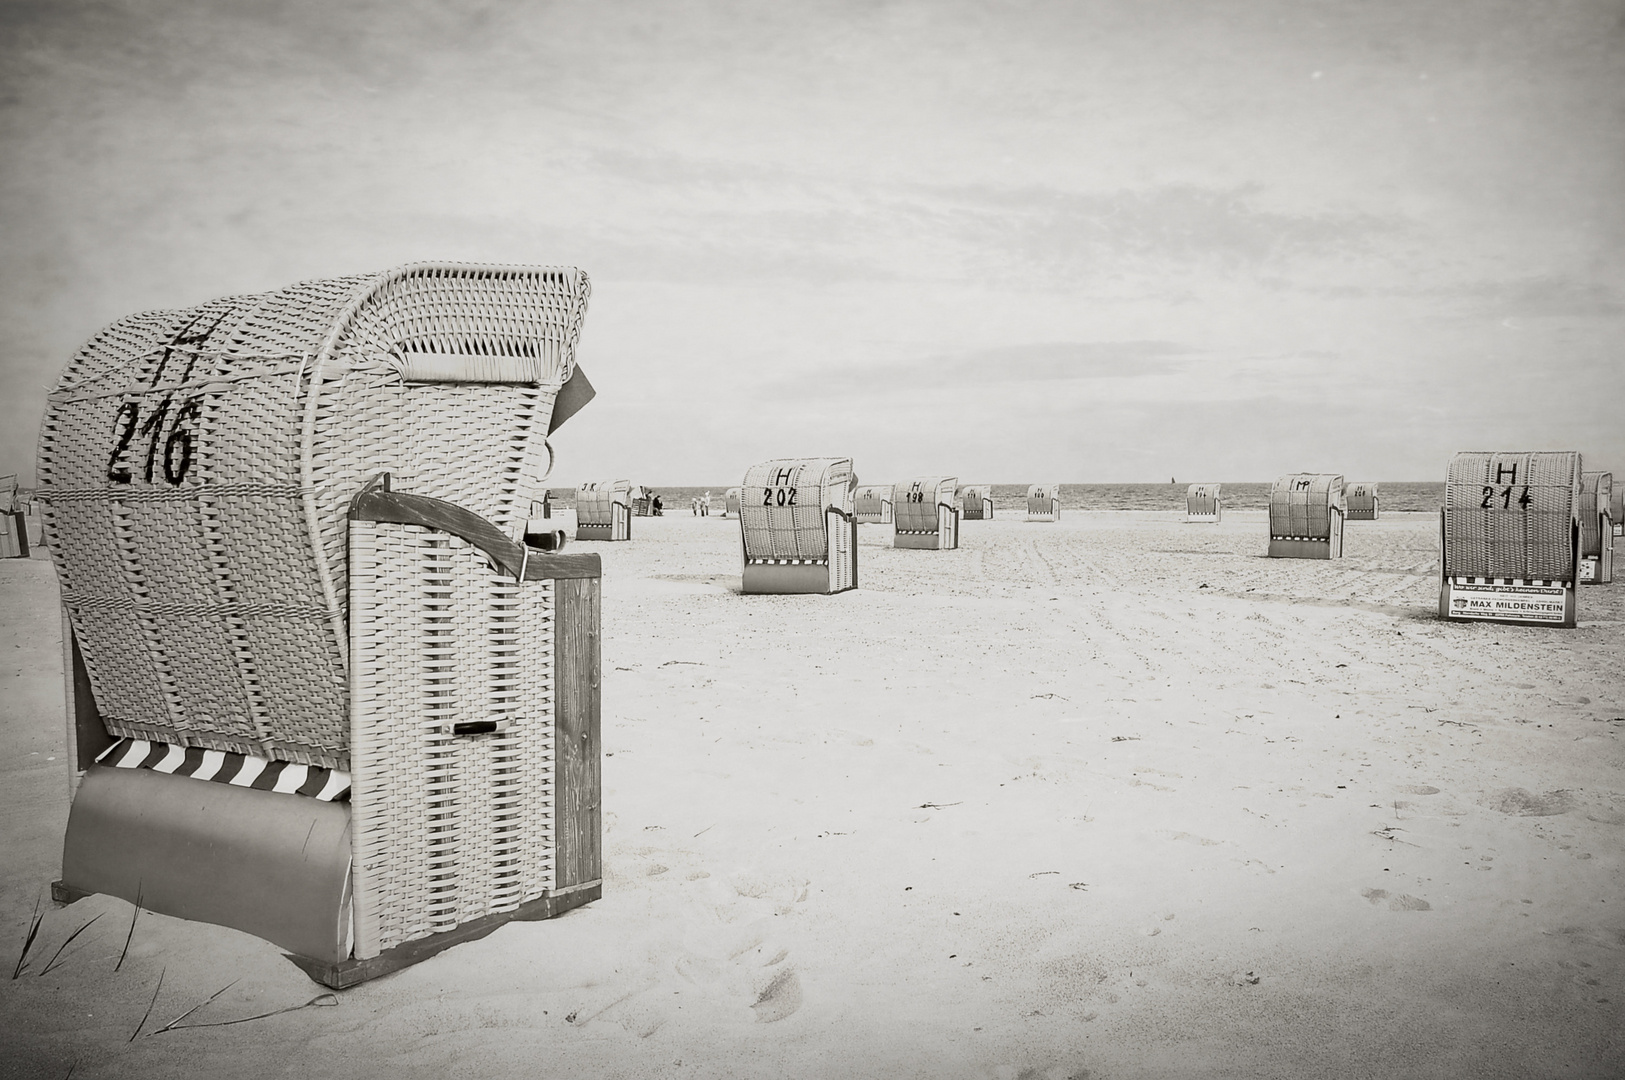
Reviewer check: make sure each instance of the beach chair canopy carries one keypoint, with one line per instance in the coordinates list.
(1302, 505)
(915, 502)
(1596, 488)
(784, 503)
(1202, 498)
(195, 467)
(596, 499)
(1511, 515)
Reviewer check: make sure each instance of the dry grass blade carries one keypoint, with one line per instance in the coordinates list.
(193, 1009)
(28, 942)
(148, 1014)
(68, 942)
(320, 1001)
(134, 915)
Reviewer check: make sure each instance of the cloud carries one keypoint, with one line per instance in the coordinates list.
(1037, 362)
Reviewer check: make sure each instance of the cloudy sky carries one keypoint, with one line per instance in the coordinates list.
(1104, 241)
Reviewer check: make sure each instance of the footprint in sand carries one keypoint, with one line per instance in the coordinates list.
(1522, 803)
(1418, 789)
(1402, 902)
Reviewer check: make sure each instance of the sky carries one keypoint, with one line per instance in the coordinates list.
(1077, 242)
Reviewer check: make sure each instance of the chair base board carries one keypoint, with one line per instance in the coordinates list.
(348, 973)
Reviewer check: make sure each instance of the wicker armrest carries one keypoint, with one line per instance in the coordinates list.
(376, 502)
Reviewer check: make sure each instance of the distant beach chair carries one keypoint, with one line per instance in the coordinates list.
(1361, 499)
(641, 500)
(13, 522)
(975, 502)
(1596, 529)
(872, 504)
(1510, 538)
(924, 514)
(797, 527)
(316, 691)
(1044, 502)
(1616, 507)
(604, 510)
(1306, 516)
(1202, 502)
(730, 503)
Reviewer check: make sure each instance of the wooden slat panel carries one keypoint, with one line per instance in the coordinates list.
(577, 738)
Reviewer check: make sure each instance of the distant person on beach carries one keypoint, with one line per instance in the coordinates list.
(705, 505)
(547, 504)
(694, 506)
(656, 506)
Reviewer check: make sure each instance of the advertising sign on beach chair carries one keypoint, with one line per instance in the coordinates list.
(872, 505)
(1044, 502)
(975, 502)
(604, 510)
(924, 514)
(1361, 499)
(1306, 516)
(1596, 529)
(1202, 502)
(1510, 538)
(316, 690)
(797, 528)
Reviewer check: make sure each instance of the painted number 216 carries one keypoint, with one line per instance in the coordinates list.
(1506, 498)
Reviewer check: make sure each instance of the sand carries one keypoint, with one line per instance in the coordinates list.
(1111, 797)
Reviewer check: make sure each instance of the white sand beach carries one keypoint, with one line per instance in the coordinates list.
(1110, 797)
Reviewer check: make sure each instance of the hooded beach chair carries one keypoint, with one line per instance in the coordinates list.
(1510, 537)
(797, 528)
(924, 514)
(1306, 516)
(318, 689)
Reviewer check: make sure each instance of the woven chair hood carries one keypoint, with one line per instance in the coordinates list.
(915, 502)
(1201, 498)
(1511, 515)
(1302, 504)
(195, 467)
(8, 493)
(1596, 488)
(596, 498)
(782, 506)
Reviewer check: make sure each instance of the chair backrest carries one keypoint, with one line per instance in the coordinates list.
(195, 468)
(1511, 515)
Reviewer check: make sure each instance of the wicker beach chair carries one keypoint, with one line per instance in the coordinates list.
(1361, 500)
(1510, 538)
(1616, 507)
(924, 514)
(730, 503)
(335, 702)
(975, 502)
(872, 505)
(1202, 502)
(1044, 502)
(1596, 529)
(797, 528)
(604, 510)
(1306, 516)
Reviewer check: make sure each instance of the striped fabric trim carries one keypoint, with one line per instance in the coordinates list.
(1304, 539)
(788, 562)
(1534, 582)
(918, 532)
(239, 770)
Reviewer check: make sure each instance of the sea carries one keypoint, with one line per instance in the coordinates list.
(1394, 496)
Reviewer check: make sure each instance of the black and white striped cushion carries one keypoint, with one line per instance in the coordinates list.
(240, 770)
